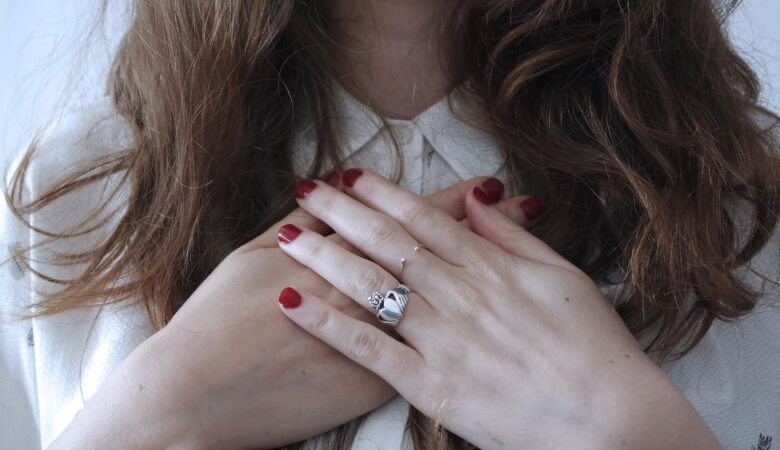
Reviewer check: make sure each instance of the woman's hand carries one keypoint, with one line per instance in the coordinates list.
(507, 344)
(230, 372)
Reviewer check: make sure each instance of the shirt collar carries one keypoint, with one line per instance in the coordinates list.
(448, 126)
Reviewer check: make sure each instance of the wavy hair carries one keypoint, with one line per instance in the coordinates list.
(636, 121)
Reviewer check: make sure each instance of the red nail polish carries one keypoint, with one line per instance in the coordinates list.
(290, 298)
(288, 233)
(532, 207)
(480, 195)
(491, 191)
(304, 188)
(333, 178)
(350, 176)
(494, 189)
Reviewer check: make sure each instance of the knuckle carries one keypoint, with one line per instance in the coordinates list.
(370, 189)
(413, 211)
(486, 267)
(365, 345)
(314, 250)
(328, 200)
(320, 321)
(381, 231)
(370, 278)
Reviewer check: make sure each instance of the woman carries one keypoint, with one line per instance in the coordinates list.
(634, 311)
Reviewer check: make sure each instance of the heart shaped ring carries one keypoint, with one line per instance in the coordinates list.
(390, 306)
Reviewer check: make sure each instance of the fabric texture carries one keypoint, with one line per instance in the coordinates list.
(51, 366)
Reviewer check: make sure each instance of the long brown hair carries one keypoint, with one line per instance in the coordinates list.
(635, 121)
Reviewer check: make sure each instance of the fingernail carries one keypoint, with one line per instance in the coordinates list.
(290, 298)
(350, 176)
(532, 207)
(288, 233)
(304, 188)
(494, 188)
(490, 192)
(333, 178)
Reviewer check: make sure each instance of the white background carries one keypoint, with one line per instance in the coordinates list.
(48, 60)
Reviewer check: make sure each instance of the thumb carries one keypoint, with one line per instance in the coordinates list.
(450, 200)
(512, 208)
(494, 225)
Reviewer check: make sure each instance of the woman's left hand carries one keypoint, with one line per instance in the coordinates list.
(506, 343)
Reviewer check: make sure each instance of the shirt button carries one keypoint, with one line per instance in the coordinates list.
(15, 266)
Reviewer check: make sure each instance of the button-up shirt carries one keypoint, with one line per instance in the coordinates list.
(438, 148)
(50, 366)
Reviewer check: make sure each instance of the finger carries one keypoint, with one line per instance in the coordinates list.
(514, 209)
(399, 365)
(493, 225)
(338, 240)
(452, 200)
(431, 226)
(354, 276)
(298, 217)
(381, 238)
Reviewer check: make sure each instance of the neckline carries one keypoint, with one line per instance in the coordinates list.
(344, 92)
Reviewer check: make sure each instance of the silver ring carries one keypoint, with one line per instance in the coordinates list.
(417, 248)
(390, 306)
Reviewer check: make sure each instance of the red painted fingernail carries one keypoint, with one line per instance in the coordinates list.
(288, 233)
(491, 191)
(494, 188)
(481, 196)
(290, 298)
(532, 207)
(304, 188)
(350, 176)
(333, 178)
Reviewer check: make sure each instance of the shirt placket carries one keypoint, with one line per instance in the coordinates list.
(412, 149)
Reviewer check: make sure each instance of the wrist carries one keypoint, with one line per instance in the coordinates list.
(165, 396)
(639, 407)
(132, 409)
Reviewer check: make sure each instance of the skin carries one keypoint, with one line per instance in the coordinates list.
(205, 381)
(392, 54)
(241, 376)
(505, 342)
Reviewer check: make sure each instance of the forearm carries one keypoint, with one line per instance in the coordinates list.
(129, 411)
(649, 412)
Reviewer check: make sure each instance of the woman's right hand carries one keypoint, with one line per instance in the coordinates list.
(230, 372)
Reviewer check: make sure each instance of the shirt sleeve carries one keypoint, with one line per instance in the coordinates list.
(51, 365)
(19, 420)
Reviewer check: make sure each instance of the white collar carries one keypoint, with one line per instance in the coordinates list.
(471, 151)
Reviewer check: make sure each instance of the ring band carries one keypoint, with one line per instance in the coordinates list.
(390, 306)
(417, 248)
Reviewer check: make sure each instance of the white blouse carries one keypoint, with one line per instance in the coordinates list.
(50, 366)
